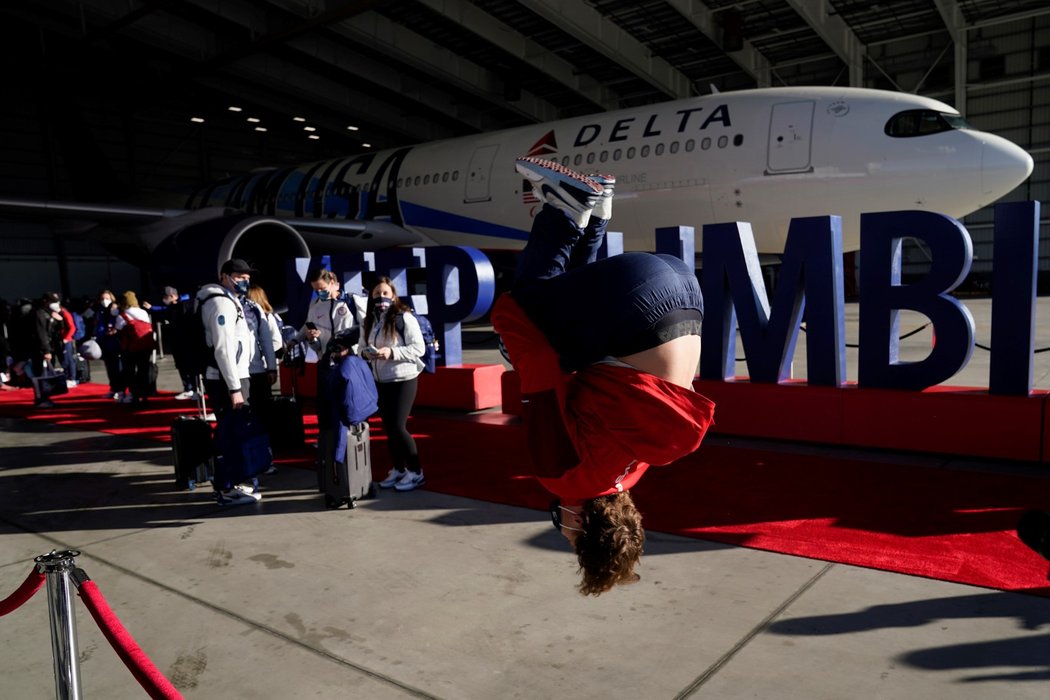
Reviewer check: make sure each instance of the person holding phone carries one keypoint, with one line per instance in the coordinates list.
(328, 316)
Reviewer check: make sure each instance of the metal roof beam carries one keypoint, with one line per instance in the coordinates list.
(390, 39)
(750, 60)
(484, 25)
(956, 24)
(603, 35)
(835, 33)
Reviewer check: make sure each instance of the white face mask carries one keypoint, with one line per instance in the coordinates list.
(54, 306)
(106, 303)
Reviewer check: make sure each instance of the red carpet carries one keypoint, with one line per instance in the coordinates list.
(948, 524)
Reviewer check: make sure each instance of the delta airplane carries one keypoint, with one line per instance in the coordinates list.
(761, 156)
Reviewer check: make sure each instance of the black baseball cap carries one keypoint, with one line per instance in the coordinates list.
(236, 266)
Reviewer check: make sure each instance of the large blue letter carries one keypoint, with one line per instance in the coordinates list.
(461, 286)
(882, 296)
(811, 269)
(1014, 267)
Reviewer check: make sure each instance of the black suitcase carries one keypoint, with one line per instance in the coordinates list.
(191, 449)
(83, 370)
(283, 418)
(350, 480)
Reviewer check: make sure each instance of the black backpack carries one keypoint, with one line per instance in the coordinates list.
(199, 356)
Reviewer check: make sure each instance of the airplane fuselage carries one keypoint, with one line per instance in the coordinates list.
(762, 156)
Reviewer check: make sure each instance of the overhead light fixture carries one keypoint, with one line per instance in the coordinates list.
(351, 128)
(199, 120)
(260, 128)
(234, 109)
(309, 128)
(314, 137)
(299, 119)
(366, 145)
(254, 120)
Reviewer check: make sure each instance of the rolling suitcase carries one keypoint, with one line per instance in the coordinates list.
(349, 480)
(191, 447)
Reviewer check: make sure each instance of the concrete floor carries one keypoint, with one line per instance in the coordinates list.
(425, 595)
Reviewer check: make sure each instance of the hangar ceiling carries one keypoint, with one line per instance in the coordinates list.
(408, 71)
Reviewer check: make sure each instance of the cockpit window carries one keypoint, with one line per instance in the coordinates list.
(922, 122)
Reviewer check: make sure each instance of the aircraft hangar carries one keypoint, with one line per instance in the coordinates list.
(125, 100)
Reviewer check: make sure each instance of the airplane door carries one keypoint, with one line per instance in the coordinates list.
(480, 174)
(790, 137)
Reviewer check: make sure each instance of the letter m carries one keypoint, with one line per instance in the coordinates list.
(811, 270)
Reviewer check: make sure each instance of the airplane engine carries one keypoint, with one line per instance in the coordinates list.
(193, 255)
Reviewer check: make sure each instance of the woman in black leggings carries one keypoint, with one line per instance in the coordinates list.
(393, 343)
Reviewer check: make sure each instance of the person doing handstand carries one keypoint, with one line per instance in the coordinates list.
(607, 384)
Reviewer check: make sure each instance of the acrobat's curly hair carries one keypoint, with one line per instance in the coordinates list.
(611, 542)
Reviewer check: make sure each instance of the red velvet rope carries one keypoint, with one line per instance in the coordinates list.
(17, 599)
(151, 679)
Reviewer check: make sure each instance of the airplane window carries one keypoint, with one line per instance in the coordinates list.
(578, 160)
(644, 153)
(630, 152)
(590, 157)
(417, 180)
(922, 122)
(723, 141)
(690, 145)
(659, 150)
(617, 153)
(705, 144)
(399, 182)
(455, 175)
(565, 161)
(603, 156)
(674, 147)
(444, 176)
(426, 179)
(436, 175)
(738, 140)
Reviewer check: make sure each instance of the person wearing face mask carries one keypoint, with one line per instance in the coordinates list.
(109, 342)
(392, 342)
(226, 382)
(46, 330)
(328, 316)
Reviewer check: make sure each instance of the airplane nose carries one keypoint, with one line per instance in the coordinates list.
(1004, 166)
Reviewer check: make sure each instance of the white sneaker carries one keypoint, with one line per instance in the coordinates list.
(118, 396)
(236, 497)
(410, 481)
(392, 478)
(71, 382)
(603, 209)
(561, 187)
(185, 395)
(248, 488)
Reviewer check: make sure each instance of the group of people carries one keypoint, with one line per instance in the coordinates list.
(41, 336)
(246, 338)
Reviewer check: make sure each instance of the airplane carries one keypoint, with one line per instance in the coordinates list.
(762, 156)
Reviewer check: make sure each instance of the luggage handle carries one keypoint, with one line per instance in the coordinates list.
(202, 403)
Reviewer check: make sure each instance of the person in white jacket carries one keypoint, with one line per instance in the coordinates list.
(392, 342)
(226, 383)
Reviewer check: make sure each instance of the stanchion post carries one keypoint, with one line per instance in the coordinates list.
(57, 567)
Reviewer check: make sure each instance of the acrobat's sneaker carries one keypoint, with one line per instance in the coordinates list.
(603, 209)
(566, 189)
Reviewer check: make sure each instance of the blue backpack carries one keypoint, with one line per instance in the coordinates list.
(430, 344)
(78, 323)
